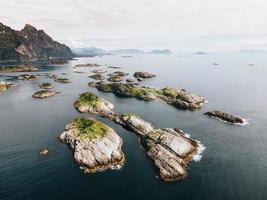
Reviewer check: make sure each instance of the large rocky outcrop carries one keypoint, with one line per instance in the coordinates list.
(96, 146)
(177, 97)
(170, 149)
(29, 44)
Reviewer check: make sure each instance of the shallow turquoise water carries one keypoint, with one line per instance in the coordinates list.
(234, 165)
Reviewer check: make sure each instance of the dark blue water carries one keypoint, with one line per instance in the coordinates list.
(234, 165)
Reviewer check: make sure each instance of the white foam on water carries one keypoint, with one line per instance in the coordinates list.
(197, 157)
(116, 167)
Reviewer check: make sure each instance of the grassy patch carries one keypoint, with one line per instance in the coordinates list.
(89, 129)
(88, 98)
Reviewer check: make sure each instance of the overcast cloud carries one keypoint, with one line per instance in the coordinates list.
(181, 25)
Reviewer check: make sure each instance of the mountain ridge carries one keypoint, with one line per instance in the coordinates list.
(28, 44)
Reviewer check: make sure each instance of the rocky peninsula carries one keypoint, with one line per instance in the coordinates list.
(179, 98)
(95, 145)
(169, 149)
(226, 117)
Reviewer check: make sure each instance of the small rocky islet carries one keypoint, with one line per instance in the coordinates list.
(144, 75)
(97, 76)
(4, 86)
(226, 117)
(88, 65)
(46, 86)
(27, 77)
(179, 98)
(42, 94)
(62, 80)
(95, 145)
(169, 149)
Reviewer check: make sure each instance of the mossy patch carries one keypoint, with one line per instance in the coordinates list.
(88, 98)
(89, 129)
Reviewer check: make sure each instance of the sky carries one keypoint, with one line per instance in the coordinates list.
(179, 25)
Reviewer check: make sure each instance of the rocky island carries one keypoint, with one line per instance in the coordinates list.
(18, 68)
(143, 75)
(95, 145)
(42, 94)
(27, 77)
(226, 117)
(170, 149)
(46, 86)
(88, 65)
(62, 80)
(97, 77)
(179, 98)
(4, 86)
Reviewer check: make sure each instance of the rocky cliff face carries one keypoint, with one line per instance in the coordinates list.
(30, 44)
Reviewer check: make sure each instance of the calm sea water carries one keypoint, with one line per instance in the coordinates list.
(234, 165)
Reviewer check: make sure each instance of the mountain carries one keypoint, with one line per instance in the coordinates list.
(200, 53)
(29, 44)
(127, 51)
(159, 51)
(90, 51)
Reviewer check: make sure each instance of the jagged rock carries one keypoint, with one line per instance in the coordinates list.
(44, 151)
(88, 65)
(27, 77)
(225, 117)
(19, 68)
(46, 86)
(62, 80)
(42, 94)
(144, 75)
(97, 77)
(4, 86)
(140, 79)
(179, 98)
(29, 44)
(96, 146)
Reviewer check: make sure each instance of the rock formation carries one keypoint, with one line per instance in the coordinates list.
(179, 98)
(169, 149)
(95, 145)
(225, 117)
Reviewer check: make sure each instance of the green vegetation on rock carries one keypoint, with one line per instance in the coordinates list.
(88, 98)
(89, 129)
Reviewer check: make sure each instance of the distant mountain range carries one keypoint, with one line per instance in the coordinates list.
(159, 51)
(94, 51)
(30, 44)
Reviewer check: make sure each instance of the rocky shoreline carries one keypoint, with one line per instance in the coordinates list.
(95, 145)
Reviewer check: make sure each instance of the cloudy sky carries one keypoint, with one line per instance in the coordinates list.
(181, 25)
